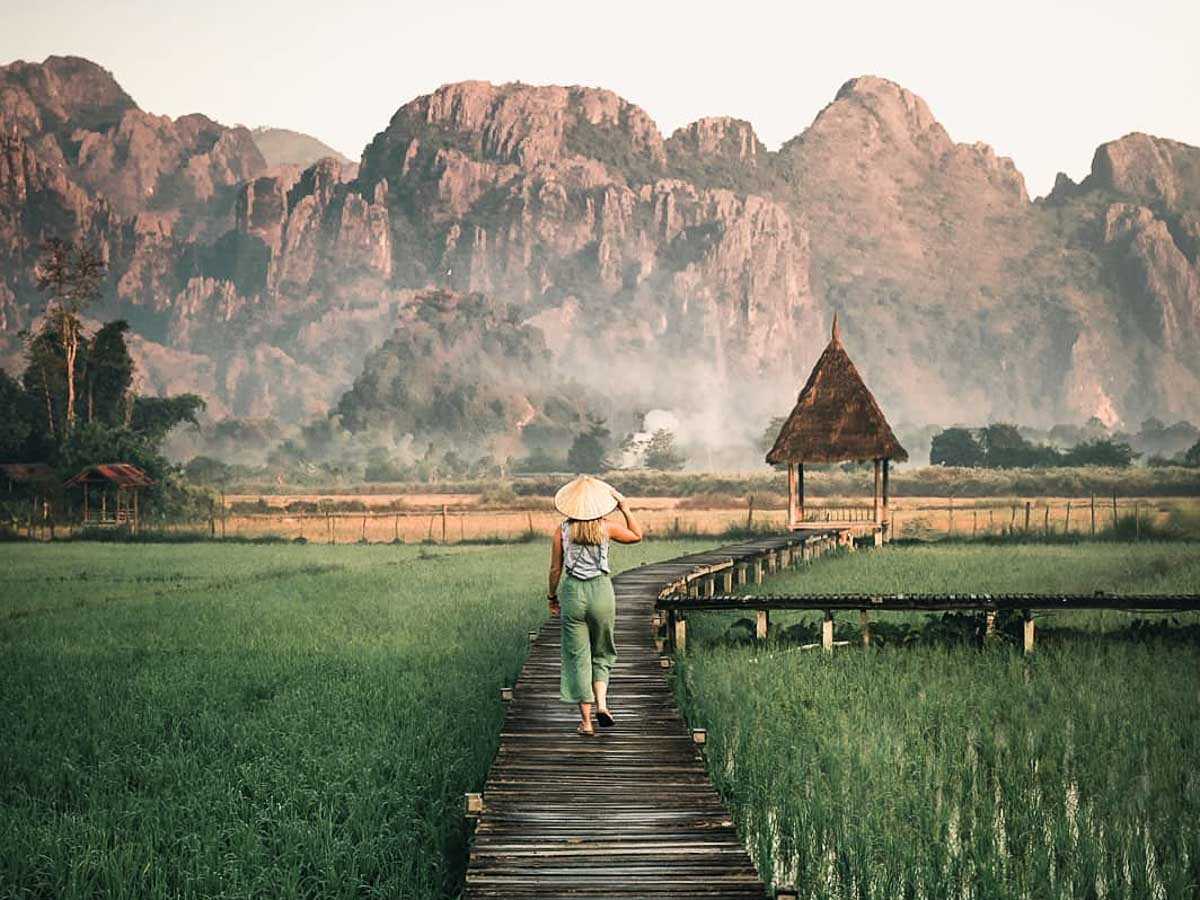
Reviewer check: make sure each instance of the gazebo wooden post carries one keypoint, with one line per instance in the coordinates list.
(799, 492)
(878, 502)
(887, 511)
(791, 509)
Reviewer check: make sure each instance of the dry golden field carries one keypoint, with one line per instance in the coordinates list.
(457, 517)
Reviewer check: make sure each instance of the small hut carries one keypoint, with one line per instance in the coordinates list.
(836, 419)
(110, 493)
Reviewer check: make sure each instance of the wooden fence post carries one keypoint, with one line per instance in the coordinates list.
(1067, 526)
(865, 622)
(1093, 515)
(989, 618)
(827, 632)
(680, 641)
(1028, 632)
(1028, 506)
(758, 570)
(974, 523)
(727, 580)
(1114, 510)
(1046, 523)
(762, 622)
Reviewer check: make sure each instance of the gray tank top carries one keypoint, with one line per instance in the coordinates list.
(584, 561)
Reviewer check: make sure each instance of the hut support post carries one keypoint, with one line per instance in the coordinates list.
(791, 512)
(887, 511)
(800, 492)
(878, 502)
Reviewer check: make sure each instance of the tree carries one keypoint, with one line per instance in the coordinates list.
(1004, 448)
(589, 451)
(71, 275)
(16, 417)
(206, 470)
(154, 417)
(661, 453)
(956, 447)
(1192, 457)
(44, 379)
(109, 375)
(766, 440)
(1100, 452)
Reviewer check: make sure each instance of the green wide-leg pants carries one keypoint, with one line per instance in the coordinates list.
(589, 611)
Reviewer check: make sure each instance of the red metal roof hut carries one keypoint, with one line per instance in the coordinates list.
(128, 481)
(836, 419)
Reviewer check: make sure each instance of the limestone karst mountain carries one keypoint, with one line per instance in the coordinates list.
(697, 272)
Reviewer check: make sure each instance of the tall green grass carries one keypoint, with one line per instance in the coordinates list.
(240, 721)
(943, 769)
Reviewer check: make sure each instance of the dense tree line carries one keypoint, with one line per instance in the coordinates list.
(74, 404)
(1002, 446)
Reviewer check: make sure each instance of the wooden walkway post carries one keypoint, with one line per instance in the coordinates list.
(827, 632)
(762, 622)
(1028, 632)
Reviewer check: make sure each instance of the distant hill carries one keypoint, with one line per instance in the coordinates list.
(697, 272)
(281, 147)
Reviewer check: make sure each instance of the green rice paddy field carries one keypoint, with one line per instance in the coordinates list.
(207, 720)
(932, 767)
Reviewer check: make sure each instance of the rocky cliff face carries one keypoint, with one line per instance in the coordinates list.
(697, 272)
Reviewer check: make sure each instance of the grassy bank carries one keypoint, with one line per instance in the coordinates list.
(245, 721)
(939, 769)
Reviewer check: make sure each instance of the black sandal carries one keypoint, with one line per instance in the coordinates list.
(604, 719)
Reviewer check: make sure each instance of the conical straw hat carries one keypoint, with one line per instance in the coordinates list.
(585, 498)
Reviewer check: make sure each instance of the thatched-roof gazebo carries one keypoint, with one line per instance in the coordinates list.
(836, 419)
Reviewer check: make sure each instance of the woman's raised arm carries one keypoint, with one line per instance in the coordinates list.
(631, 531)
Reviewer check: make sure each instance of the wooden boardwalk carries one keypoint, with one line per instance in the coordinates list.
(629, 812)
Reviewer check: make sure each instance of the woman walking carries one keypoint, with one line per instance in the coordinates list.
(583, 596)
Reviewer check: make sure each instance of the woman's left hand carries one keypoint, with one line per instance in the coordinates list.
(554, 607)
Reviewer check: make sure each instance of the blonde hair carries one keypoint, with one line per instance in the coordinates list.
(586, 531)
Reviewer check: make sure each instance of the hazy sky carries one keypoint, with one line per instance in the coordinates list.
(1042, 82)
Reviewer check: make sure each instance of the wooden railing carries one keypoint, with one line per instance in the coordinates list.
(839, 514)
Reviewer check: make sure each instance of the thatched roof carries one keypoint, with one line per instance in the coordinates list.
(835, 419)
